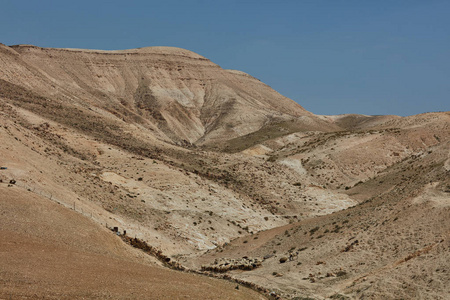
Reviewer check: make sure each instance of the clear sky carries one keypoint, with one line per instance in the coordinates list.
(332, 57)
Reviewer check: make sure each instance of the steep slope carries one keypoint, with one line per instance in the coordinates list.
(162, 193)
(51, 252)
(204, 163)
(119, 187)
(172, 91)
(393, 245)
(104, 149)
(339, 160)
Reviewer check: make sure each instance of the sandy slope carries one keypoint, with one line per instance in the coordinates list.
(175, 92)
(48, 251)
(393, 245)
(110, 133)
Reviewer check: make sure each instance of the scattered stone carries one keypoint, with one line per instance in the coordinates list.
(283, 260)
(223, 265)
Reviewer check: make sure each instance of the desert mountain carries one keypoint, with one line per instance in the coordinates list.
(210, 166)
(177, 93)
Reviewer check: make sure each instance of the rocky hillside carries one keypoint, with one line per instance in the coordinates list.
(393, 245)
(180, 95)
(221, 173)
(51, 252)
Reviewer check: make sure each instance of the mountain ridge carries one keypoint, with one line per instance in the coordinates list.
(207, 99)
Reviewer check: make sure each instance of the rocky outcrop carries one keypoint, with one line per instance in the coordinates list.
(223, 265)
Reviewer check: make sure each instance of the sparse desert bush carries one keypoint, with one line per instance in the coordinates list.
(272, 158)
(312, 231)
(339, 297)
(336, 228)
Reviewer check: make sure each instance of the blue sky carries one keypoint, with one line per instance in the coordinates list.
(332, 57)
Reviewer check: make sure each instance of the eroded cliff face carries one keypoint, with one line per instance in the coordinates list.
(182, 96)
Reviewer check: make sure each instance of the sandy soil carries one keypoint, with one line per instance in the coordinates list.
(203, 164)
(48, 251)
